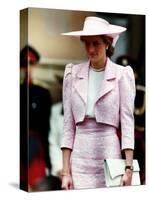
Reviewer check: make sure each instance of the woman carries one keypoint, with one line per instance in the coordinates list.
(98, 96)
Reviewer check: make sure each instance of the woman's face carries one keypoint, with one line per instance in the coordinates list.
(95, 48)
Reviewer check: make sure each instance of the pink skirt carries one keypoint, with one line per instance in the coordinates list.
(93, 143)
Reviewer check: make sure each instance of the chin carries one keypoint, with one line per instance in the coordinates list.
(93, 60)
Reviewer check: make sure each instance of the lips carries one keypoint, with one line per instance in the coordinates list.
(92, 55)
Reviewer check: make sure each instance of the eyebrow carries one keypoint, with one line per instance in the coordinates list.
(93, 41)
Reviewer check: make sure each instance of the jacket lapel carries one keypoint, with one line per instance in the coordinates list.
(81, 81)
(109, 80)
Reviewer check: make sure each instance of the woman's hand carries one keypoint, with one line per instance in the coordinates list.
(67, 183)
(126, 178)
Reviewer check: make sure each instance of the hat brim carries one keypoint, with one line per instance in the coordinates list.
(112, 31)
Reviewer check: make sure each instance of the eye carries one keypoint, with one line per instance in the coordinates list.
(87, 43)
(96, 43)
(93, 43)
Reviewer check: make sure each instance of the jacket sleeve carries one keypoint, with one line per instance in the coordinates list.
(69, 123)
(127, 97)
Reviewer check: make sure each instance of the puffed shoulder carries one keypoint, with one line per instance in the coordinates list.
(68, 69)
(128, 72)
(129, 69)
(128, 79)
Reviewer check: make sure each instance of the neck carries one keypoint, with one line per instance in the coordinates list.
(100, 64)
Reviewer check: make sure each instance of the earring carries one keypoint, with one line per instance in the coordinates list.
(106, 48)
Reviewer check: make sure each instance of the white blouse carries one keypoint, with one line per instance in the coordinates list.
(95, 80)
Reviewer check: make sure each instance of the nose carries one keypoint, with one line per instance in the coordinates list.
(91, 47)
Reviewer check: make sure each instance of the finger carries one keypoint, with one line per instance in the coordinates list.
(64, 187)
(121, 183)
(128, 183)
(71, 186)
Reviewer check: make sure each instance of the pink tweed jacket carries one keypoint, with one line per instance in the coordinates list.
(114, 104)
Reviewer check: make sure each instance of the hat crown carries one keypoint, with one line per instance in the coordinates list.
(94, 23)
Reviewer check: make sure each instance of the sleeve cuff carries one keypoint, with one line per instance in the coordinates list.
(68, 146)
(124, 146)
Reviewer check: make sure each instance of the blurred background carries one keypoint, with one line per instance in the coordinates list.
(44, 52)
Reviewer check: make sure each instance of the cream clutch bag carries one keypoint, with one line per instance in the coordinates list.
(115, 168)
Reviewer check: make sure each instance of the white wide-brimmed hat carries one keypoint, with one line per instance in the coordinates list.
(98, 26)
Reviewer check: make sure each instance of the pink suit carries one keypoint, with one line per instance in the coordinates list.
(91, 140)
